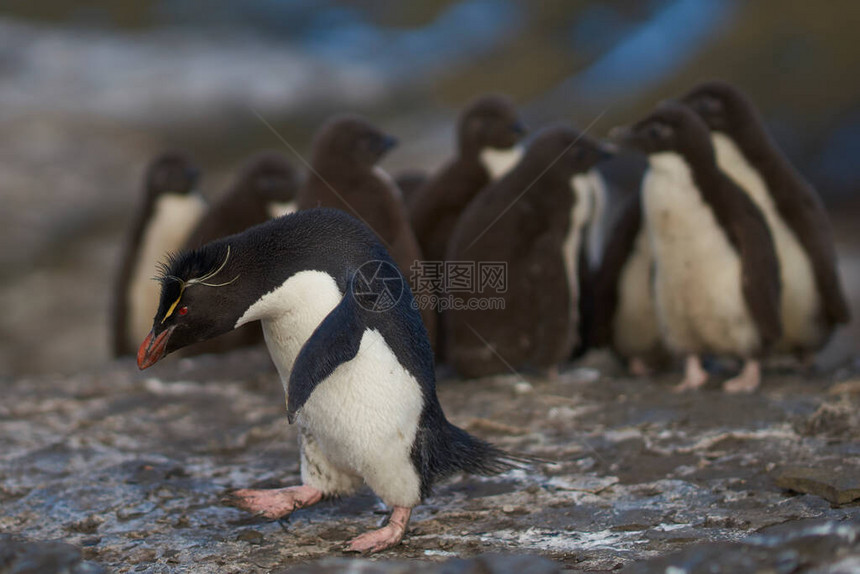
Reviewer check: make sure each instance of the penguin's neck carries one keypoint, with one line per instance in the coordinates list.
(498, 162)
(290, 313)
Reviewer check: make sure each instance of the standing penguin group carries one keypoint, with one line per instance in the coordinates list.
(720, 250)
(724, 250)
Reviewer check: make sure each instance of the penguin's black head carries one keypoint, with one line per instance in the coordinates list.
(722, 106)
(171, 172)
(672, 127)
(269, 177)
(566, 151)
(198, 301)
(350, 140)
(490, 122)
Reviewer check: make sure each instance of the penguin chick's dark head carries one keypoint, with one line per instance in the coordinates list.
(270, 178)
(723, 107)
(193, 285)
(565, 151)
(351, 140)
(171, 172)
(490, 121)
(672, 127)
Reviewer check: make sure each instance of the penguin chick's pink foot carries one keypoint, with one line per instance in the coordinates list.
(389, 535)
(274, 503)
(639, 368)
(747, 381)
(694, 375)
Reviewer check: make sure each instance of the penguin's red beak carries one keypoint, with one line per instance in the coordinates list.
(152, 349)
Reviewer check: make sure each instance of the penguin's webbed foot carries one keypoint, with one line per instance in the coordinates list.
(694, 375)
(384, 538)
(747, 381)
(273, 503)
(639, 368)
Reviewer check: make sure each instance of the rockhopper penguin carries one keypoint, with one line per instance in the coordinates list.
(352, 353)
(813, 302)
(344, 175)
(716, 274)
(265, 187)
(532, 220)
(170, 210)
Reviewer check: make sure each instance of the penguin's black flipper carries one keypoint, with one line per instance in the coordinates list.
(333, 343)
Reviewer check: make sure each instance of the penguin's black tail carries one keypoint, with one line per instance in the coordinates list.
(475, 456)
(448, 450)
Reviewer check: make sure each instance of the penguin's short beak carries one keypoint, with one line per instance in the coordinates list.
(152, 349)
(387, 143)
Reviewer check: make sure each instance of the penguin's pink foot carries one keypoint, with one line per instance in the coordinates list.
(386, 537)
(747, 381)
(639, 368)
(694, 376)
(273, 503)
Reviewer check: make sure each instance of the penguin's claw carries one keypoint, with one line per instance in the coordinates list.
(273, 503)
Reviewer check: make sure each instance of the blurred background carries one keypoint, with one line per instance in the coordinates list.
(90, 90)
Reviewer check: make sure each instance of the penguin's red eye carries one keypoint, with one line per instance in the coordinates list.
(183, 310)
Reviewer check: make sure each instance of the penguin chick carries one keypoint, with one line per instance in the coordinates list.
(487, 134)
(625, 313)
(265, 188)
(344, 175)
(169, 211)
(352, 353)
(531, 221)
(716, 274)
(813, 301)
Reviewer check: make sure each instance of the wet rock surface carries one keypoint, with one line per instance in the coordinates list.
(126, 470)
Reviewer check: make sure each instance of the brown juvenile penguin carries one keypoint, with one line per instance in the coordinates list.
(531, 220)
(344, 175)
(487, 134)
(813, 302)
(716, 274)
(170, 209)
(266, 187)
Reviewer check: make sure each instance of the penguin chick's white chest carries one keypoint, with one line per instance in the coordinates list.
(364, 416)
(698, 273)
(801, 304)
(174, 217)
(498, 162)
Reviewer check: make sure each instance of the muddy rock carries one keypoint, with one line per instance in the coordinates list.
(22, 556)
(127, 470)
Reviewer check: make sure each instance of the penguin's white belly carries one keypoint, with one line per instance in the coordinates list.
(281, 208)
(801, 302)
(700, 303)
(498, 162)
(174, 217)
(364, 417)
(635, 328)
(581, 213)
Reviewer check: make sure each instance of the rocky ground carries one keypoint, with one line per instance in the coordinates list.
(116, 470)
